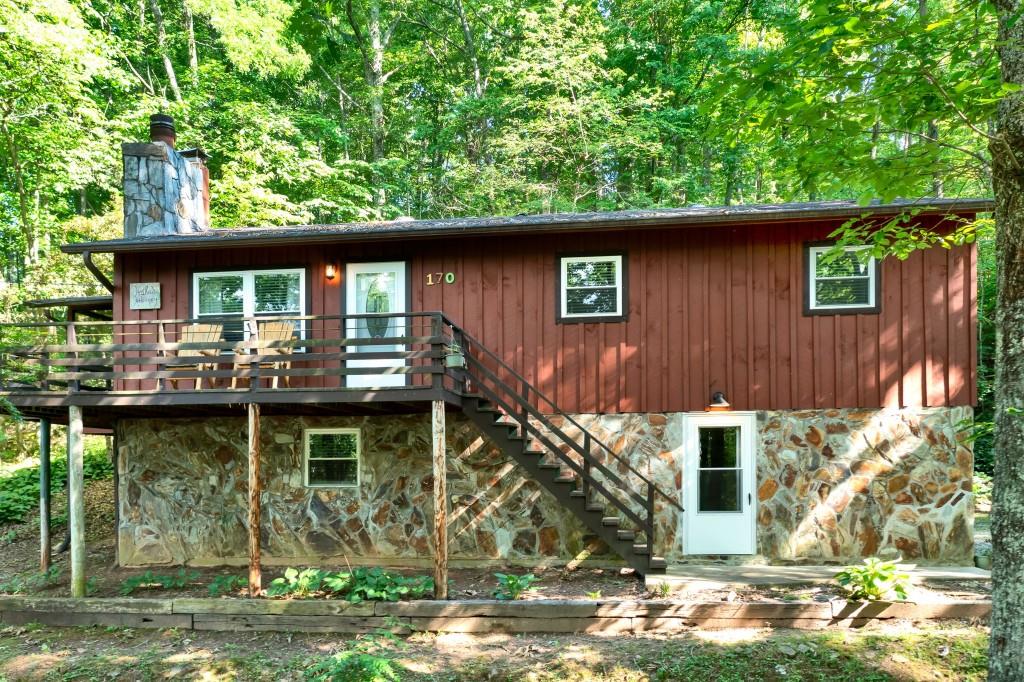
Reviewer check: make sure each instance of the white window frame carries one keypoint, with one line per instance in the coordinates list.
(563, 265)
(812, 286)
(306, 433)
(249, 295)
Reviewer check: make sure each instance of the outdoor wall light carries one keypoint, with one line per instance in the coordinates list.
(718, 402)
(330, 272)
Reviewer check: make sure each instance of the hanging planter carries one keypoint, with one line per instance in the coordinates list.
(453, 357)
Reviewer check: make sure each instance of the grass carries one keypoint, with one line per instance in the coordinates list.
(891, 653)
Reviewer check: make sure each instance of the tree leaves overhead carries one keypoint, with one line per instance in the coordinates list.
(336, 110)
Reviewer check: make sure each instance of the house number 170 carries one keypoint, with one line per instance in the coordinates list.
(440, 277)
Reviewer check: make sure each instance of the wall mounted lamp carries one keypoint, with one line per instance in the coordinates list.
(719, 403)
(330, 271)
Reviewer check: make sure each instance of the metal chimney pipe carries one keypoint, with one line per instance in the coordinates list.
(161, 129)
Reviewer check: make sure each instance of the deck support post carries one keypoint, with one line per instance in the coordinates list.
(44, 495)
(76, 501)
(440, 501)
(255, 578)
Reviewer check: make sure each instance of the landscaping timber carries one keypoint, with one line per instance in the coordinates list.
(470, 616)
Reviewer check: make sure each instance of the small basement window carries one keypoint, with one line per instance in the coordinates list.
(591, 288)
(332, 457)
(841, 283)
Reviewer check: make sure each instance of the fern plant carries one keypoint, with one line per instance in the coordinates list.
(874, 580)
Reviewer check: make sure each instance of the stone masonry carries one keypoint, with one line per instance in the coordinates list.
(162, 191)
(833, 486)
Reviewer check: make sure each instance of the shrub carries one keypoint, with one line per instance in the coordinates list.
(226, 584)
(352, 666)
(513, 587)
(374, 584)
(156, 581)
(874, 580)
(361, 584)
(19, 489)
(295, 583)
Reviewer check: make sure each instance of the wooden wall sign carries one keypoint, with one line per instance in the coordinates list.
(144, 296)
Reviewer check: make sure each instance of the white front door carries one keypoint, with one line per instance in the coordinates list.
(375, 288)
(719, 480)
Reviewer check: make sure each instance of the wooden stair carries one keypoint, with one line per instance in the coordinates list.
(600, 513)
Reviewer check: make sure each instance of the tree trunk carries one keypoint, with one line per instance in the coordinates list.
(161, 41)
(1007, 149)
(193, 53)
(28, 230)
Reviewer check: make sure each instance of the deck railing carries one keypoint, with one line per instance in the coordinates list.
(323, 351)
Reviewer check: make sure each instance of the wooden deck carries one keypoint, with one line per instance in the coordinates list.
(138, 369)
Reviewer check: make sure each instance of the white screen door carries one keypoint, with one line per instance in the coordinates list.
(718, 492)
(375, 288)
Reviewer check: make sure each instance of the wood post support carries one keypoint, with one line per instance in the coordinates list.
(44, 495)
(255, 578)
(76, 500)
(440, 501)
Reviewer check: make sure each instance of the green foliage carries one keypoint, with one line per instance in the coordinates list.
(226, 584)
(363, 661)
(874, 580)
(156, 581)
(295, 583)
(360, 584)
(19, 489)
(33, 582)
(352, 666)
(513, 587)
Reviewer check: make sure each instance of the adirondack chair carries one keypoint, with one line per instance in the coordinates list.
(271, 331)
(197, 333)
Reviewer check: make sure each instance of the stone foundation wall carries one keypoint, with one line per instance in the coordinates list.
(833, 485)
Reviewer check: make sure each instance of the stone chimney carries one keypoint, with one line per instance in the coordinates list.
(165, 191)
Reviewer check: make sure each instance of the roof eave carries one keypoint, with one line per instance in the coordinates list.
(215, 239)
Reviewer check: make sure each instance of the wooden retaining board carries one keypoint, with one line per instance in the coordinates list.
(468, 616)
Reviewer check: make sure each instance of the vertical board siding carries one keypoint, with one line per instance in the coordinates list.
(708, 310)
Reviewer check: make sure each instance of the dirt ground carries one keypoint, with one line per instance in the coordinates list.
(954, 651)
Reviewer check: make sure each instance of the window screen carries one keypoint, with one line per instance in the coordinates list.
(591, 286)
(841, 281)
(332, 457)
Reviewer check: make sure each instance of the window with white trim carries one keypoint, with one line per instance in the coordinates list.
(841, 282)
(591, 287)
(331, 457)
(241, 294)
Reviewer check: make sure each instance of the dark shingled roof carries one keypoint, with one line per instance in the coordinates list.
(690, 216)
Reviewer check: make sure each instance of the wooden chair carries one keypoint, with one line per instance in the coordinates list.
(271, 331)
(197, 333)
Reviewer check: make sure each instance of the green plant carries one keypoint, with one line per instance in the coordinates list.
(363, 661)
(156, 581)
(596, 594)
(874, 580)
(375, 584)
(295, 583)
(513, 587)
(19, 489)
(664, 590)
(226, 584)
(24, 584)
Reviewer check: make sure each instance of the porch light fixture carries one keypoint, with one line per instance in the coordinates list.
(330, 272)
(719, 403)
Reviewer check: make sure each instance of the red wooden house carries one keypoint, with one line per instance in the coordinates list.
(653, 386)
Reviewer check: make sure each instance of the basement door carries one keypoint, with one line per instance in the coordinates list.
(375, 288)
(719, 479)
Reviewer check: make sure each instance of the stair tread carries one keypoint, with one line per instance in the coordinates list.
(657, 562)
(546, 465)
(626, 534)
(594, 507)
(611, 521)
(641, 549)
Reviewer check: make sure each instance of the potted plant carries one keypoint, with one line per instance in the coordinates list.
(983, 558)
(453, 356)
